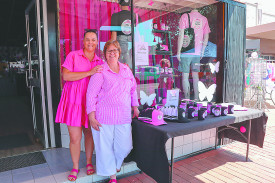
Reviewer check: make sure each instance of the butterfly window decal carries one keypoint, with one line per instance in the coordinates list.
(144, 98)
(214, 67)
(207, 93)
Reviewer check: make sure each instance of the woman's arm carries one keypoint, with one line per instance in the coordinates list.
(136, 111)
(113, 35)
(94, 87)
(134, 98)
(74, 76)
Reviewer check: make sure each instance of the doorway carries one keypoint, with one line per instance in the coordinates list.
(23, 121)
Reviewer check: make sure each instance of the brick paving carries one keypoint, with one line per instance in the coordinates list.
(227, 163)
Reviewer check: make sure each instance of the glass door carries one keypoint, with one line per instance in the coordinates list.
(35, 72)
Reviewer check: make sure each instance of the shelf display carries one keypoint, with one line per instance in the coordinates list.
(166, 79)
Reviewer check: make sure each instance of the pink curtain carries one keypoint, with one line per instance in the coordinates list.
(77, 15)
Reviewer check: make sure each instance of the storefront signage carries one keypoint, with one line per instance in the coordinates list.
(141, 53)
(172, 98)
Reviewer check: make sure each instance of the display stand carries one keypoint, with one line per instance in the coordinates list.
(149, 150)
(255, 92)
(166, 35)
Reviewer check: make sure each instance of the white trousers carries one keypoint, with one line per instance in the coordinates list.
(112, 144)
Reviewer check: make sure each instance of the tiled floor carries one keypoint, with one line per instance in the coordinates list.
(226, 164)
(58, 163)
(56, 170)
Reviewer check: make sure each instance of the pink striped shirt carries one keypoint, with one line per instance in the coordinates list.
(111, 95)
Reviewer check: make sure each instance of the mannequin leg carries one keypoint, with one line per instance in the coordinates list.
(128, 59)
(186, 85)
(195, 76)
(125, 53)
(123, 45)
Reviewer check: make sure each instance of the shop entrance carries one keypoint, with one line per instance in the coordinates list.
(23, 122)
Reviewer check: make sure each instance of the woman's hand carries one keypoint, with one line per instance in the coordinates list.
(96, 69)
(93, 122)
(136, 111)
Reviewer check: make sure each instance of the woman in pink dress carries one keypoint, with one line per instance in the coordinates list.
(77, 69)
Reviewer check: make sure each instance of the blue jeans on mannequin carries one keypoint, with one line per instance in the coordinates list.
(184, 67)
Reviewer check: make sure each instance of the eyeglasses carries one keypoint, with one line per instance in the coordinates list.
(112, 51)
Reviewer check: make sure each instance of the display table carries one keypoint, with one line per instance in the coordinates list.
(149, 141)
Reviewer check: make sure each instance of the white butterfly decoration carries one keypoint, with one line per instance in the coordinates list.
(204, 92)
(214, 67)
(147, 99)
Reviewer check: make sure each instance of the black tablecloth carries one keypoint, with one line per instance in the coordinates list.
(258, 129)
(149, 141)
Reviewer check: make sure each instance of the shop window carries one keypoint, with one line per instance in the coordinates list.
(170, 54)
(158, 35)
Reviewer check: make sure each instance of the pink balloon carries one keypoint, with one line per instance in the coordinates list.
(242, 129)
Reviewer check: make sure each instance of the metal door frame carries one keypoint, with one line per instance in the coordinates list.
(36, 3)
(48, 71)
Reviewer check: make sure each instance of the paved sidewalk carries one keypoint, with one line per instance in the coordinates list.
(226, 164)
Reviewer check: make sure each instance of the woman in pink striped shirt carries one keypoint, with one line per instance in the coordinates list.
(111, 95)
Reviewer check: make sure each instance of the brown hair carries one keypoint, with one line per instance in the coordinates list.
(108, 44)
(90, 30)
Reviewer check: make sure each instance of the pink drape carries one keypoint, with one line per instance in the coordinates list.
(77, 15)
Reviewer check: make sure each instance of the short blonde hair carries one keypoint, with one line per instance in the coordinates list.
(108, 44)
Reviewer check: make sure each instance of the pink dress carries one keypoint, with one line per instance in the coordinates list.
(72, 106)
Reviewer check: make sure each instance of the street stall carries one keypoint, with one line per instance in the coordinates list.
(149, 141)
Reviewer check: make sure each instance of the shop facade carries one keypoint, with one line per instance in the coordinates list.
(211, 70)
(157, 68)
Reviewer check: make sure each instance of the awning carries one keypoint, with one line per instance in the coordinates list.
(264, 31)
